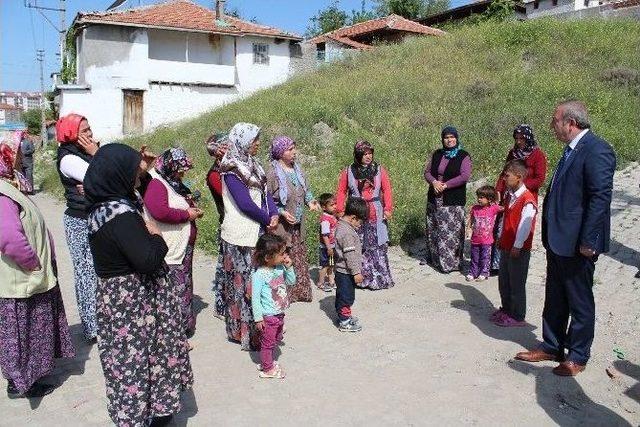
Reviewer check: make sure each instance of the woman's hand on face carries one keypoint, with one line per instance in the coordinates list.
(288, 217)
(87, 144)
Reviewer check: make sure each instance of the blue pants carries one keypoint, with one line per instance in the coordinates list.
(569, 293)
(345, 295)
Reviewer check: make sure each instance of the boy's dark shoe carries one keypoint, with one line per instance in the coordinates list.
(637, 276)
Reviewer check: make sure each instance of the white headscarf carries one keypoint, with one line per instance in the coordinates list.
(238, 161)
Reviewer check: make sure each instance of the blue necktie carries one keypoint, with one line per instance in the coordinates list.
(563, 160)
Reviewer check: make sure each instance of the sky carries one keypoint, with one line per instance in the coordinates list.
(24, 30)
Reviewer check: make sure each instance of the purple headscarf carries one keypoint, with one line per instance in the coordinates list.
(279, 145)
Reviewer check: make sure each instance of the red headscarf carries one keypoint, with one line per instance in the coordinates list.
(8, 171)
(67, 128)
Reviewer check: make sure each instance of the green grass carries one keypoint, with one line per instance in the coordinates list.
(484, 79)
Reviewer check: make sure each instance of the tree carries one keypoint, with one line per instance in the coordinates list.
(32, 119)
(327, 20)
(500, 10)
(411, 9)
(363, 14)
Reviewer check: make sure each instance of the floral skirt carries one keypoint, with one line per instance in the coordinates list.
(77, 233)
(301, 292)
(218, 285)
(142, 346)
(33, 332)
(445, 235)
(375, 261)
(184, 280)
(234, 279)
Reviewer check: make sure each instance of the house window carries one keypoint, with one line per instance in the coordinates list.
(261, 53)
(554, 2)
(536, 4)
(586, 3)
(321, 51)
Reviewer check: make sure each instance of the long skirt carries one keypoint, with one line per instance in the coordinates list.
(235, 281)
(445, 235)
(76, 230)
(376, 273)
(33, 332)
(142, 346)
(218, 285)
(184, 281)
(301, 292)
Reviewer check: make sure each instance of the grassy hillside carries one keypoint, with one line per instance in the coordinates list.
(482, 79)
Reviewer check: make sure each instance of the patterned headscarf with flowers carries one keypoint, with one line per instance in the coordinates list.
(169, 164)
(279, 145)
(8, 171)
(239, 162)
(530, 142)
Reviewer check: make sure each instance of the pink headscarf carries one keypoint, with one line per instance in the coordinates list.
(8, 171)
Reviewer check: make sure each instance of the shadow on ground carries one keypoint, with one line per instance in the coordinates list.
(631, 370)
(564, 400)
(480, 308)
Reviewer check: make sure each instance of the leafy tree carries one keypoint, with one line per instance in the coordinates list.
(327, 20)
(32, 119)
(363, 14)
(500, 10)
(411, 9)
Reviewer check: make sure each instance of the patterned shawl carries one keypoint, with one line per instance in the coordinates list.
(530, 142)
(8, 171)
(238, 161)
(169, 164)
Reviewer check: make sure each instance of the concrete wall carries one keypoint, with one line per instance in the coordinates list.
(546, 7)
(179, 73)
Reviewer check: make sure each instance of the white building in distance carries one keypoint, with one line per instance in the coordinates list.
(144, 67)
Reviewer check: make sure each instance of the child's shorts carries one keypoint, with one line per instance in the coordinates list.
(323, 257)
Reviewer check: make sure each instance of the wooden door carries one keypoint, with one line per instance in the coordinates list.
(132, 119)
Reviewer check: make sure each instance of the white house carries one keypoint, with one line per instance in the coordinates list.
(540, 8)
(23, 100)
(147, 66)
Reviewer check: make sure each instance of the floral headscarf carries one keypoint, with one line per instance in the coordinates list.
(8, 171)
(360, 171)
(238, 161)
(450, 153)
(216, 141)
(530, 142)
(279, 145)
(169, 164)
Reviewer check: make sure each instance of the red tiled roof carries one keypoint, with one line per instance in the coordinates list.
(9, 107)
(352, 43)
(625, 3)
(182, 15)
(391, 22)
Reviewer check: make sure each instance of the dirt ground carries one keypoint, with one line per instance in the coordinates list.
(427, 354)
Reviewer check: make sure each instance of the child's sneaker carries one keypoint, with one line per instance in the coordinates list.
(468, 277)
(325, 287)
(481, 278)
(349, 326)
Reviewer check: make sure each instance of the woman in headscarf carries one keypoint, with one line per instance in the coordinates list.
(217, 146)
(141, 340)
(447, 173)
(75, 151)
(248, 211)
(33, 325)
(525, 148)
(288, 186)
(169, 204)
(370, 181)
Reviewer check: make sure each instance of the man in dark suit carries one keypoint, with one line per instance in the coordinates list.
(575, 230)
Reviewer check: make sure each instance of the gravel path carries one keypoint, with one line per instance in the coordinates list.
(427, 354)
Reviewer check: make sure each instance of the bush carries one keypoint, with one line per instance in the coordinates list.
(484, 79)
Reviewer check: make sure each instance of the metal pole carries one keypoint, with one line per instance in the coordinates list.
(63, 32)
(43, 128)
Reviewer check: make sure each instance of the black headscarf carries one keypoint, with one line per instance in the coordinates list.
(360, 171)
(450, 153)
(111, 175)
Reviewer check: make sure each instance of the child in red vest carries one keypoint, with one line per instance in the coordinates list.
(519, 220)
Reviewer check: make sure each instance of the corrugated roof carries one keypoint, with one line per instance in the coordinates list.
(182, 15)
(391, 22)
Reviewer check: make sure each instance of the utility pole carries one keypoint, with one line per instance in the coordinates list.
(63, 32)
(43, 128)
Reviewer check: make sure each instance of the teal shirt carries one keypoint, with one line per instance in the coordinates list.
(269, 290)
